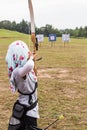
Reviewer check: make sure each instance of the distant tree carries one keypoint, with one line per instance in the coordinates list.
(25, 27)
(6, 24)
(18, 27)
(81, 32)
(13, 25)
(85, 32)
(48, 29)
(75, 32)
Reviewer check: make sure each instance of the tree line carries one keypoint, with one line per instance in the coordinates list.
(24, 27)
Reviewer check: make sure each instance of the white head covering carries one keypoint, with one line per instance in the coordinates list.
(17, 55)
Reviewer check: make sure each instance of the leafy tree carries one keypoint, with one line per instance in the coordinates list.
(85, 31)
(25, 27)
(13, 25)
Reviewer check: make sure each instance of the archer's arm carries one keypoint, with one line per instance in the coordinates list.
(26, 68)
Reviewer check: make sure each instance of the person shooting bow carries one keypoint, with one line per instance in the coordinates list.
(20, 63)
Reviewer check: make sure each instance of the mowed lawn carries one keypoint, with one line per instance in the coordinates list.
(62, 82)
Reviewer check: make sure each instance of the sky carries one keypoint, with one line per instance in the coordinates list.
(60, 14)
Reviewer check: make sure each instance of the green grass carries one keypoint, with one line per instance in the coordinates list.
(64, 92)
(10, 34)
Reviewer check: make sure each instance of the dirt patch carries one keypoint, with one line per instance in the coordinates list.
(56, 73)
(45, 73)
(70, 75)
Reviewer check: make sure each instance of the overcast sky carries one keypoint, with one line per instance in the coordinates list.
(59, 13)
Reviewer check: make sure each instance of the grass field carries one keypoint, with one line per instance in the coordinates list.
(62, 79)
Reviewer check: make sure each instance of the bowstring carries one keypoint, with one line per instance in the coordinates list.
(29, 34)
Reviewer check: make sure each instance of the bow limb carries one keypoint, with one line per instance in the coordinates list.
(33, 38)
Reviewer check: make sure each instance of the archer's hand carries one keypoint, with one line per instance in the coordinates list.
(33, 38)
(33, 56)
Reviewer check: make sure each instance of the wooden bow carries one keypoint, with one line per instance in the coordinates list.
(33, 37)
